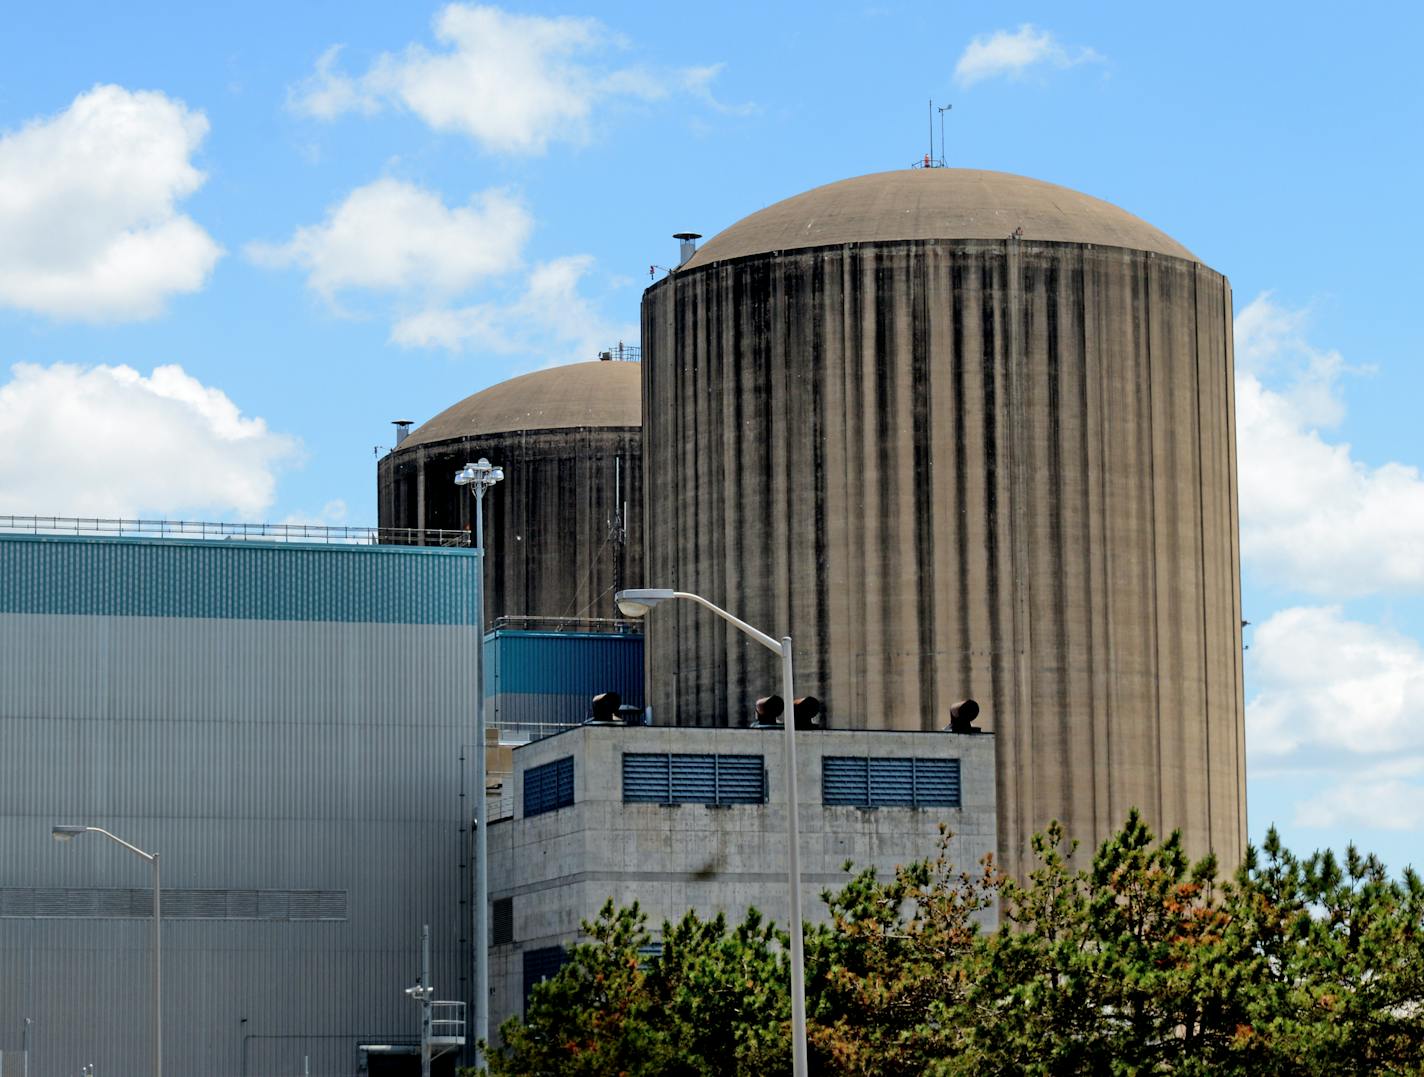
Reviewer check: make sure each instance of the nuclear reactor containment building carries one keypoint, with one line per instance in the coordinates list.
(960, 433)
(565, 528)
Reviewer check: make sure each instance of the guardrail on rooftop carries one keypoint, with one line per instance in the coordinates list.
(320, 533)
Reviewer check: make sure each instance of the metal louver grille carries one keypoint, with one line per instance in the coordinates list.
(741, 779)
(549, 787)
(844, 781)
(694, 779)
(503, 921)
(540, 964)
(178, 904)
(646, 778)
(650, 778)
(937, 782)
(890, 783)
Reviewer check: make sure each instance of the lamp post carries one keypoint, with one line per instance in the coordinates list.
(68, 833)
(480, 477)
(636, 603)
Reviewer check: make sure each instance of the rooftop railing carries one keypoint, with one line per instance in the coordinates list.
(198, 529)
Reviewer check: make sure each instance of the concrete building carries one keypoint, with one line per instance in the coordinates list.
(286, 725)
(998, 414)
(565, 528)
(680, 819)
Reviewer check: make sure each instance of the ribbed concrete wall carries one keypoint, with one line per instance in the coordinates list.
(547, 524)
(1009, 471)
(312, 743)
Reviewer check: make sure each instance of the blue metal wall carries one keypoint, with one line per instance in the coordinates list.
(548, 678)
(236, 580)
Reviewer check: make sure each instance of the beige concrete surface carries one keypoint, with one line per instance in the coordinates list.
(1009, 470)
(935, 203)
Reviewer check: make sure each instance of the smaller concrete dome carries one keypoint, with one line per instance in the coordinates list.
(606, 394)
(935, 203)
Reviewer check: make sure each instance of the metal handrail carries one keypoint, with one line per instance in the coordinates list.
(207, 529)
(517, 622)
(448, 1027)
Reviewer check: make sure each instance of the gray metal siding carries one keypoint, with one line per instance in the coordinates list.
(253, 755)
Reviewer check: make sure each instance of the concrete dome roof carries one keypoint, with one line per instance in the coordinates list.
(580, 394)
(935, 203)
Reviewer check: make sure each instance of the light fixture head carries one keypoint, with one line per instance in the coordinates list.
(482, 473)
(64, 832)
(639, 600)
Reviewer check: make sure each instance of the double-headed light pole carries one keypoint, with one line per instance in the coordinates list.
(480, 477)
(68, 833)
(636, 603)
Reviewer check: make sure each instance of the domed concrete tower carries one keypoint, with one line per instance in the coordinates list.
(565, 526)
(998, 417)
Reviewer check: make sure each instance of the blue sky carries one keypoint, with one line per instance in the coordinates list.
(235, 243)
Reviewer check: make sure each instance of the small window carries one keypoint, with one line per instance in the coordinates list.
(549, 787)
(502, 921)
(890, 783)
(541, 964)
(693, 779)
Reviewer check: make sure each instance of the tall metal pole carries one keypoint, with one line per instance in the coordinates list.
(481, 799)
(66, 832)
(793, 870)
(157, 972)
(425, 1029)
(636, 603)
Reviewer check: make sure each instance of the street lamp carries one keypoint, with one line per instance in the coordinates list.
(64, 832)
(637, 603)
(480, 477)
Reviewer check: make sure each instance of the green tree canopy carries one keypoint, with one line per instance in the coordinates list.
(1140, 962)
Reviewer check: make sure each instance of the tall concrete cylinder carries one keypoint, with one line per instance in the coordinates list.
(999, 416)
(569, 440)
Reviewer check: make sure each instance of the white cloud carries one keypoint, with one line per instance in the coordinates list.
(1338, 709)
(551, 319)
(89, 225)
(1368, 801)
(327, 92)
(1325, 684)
(108, 441)
(395, 236)
(513, 83)
(1011, 54)
(1312, 517)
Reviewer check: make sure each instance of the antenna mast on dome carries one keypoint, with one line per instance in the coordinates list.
(930, 160)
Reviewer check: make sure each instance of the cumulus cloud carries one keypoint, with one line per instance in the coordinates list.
(89, 224)
(1370, 800)
(551, 318)
(1012, 53)
(395, 236)
(1313, 518)
(1338, 705)
(511, 82)
(1326, 685)
(452, 278)
(108, 441)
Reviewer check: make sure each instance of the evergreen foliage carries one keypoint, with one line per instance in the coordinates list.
(1141, 962)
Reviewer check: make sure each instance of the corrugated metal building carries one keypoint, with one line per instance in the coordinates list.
(539, 683)
(284, 725)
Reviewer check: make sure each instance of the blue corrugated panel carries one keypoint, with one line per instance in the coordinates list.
(550, 677)
(232, 580)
